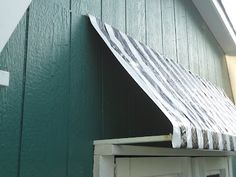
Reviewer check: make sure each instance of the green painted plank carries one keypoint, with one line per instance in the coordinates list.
(115, 80)
(92, 91)
(85, 123)
(192, 38)
(12, 60)
(181, 31)
(62, 3)
(135, 16)
(210, 58)
(82, 7)
(216, 62)
(201, 46)
(219, 67)
(234, 165)
(46, 106)
(213, 59)
(113, 13)
(206, 51)
(168, 28)
(154, 24)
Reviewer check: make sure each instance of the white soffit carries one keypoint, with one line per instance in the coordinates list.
(11, 11)
(212, 13)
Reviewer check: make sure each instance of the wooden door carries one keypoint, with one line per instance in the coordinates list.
(153, 167)
(211, 167)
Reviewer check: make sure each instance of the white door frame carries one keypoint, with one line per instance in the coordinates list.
(106, 151)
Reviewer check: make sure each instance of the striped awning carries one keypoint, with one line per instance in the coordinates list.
(203, 117)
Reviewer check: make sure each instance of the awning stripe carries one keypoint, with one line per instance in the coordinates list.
(203, 117)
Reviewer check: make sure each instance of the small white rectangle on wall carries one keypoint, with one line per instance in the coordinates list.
(4, 78)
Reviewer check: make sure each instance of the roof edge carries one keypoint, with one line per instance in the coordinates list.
(218, 23)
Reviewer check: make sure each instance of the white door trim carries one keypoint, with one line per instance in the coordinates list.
(129, 150)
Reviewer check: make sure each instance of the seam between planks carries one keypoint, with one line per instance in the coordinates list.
(176, 40)
(23, 91)
(69, 72)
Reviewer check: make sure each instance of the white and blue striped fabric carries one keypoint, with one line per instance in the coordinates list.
(203, 117)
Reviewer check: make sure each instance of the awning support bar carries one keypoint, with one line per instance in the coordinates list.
(135, 140)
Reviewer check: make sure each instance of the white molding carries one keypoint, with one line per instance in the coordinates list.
(218, 23)
(127, 150)
(104, 166)
(230, 165)
(135, 140)
(4, 78)
(123, 147)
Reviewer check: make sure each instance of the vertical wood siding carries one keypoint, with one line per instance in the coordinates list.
(85, 123)
(46, 108)
(12, 59)
(115, 104)
(67, 89)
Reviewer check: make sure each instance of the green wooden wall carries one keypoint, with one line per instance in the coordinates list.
(67, 89)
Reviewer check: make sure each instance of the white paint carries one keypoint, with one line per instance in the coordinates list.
(127, 150)
(204, 166)
(103, 166)
(4, 78)
(229, 6)
(172, 167)
(218, 23)
(11, 11)
(153, 166)
(136, 140)
(155, 161)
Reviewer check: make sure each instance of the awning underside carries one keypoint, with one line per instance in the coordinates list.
(203, 117)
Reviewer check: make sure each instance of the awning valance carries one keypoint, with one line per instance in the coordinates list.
(203, 117)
